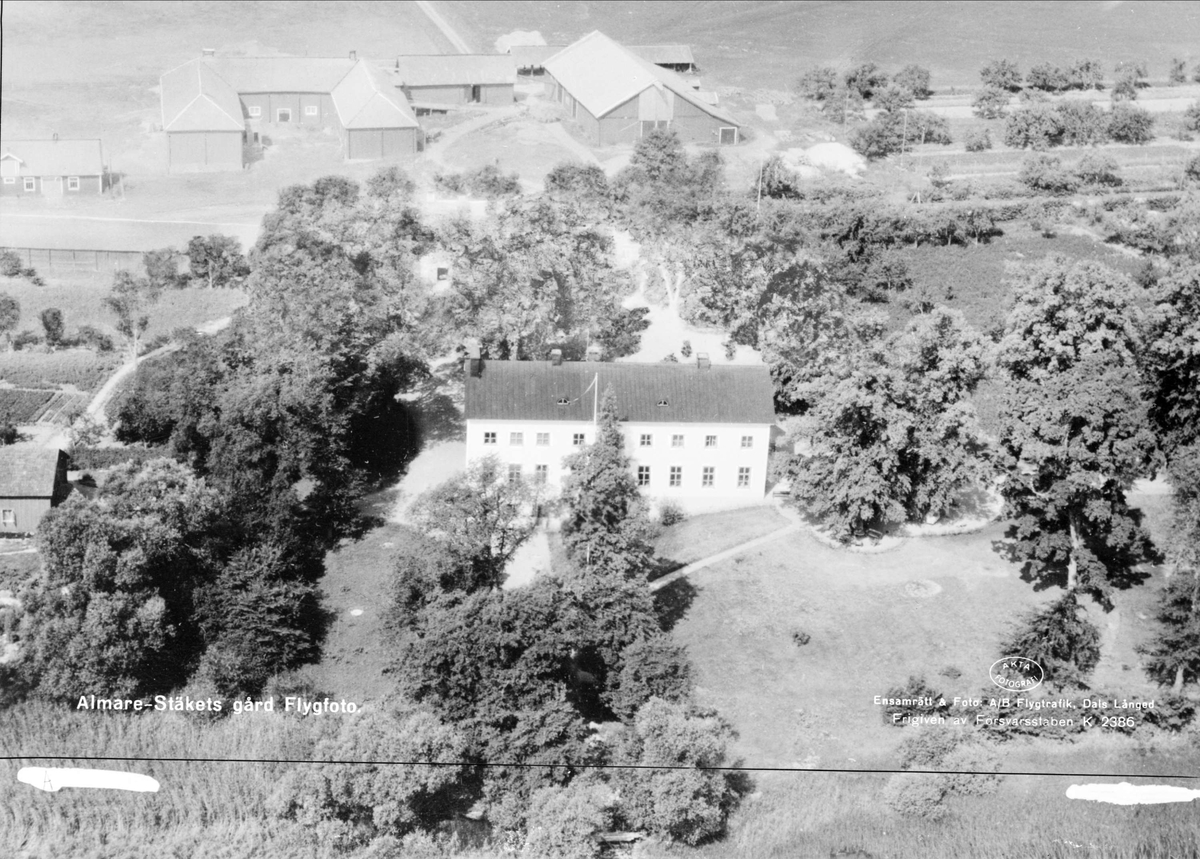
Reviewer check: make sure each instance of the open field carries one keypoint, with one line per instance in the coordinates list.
(764, 44)
(80, 369)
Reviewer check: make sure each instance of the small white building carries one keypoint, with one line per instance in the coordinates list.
(697, 433)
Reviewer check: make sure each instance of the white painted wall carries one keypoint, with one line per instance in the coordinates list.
(725, 458)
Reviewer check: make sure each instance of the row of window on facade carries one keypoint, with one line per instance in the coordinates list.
(282, 114)
(517, 439)
(30, 182)
(708, 475)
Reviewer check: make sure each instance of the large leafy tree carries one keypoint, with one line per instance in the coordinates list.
(690, 798)
(605, 526)
(130, 300)
(363, 782)
(1171, 358)
(115, 607)
(1074, 429)
(896, 437)
(533, 274)
(481, 518)
(217, 260)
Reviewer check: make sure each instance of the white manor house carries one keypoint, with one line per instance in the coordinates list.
(697, 433)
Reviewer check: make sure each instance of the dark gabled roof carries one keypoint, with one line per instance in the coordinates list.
(532, 390)
(418, 70)
(55, 157)
(28, 471)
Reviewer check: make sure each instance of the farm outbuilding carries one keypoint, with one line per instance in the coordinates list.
(51, 168)
(453, 79)
(32, 480)
(211, 106)
(617, 97)
(202, 117)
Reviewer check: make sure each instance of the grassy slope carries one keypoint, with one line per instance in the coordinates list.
(766, 44)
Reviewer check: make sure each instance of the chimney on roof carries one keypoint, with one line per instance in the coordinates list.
(473, 365)
(556, 357)
(354, 55)
(593, 352)
(56, 137)
(208, 52)
(702, 360)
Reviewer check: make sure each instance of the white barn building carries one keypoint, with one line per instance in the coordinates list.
(696, 433)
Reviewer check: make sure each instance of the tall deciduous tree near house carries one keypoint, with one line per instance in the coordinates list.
(1074, 427)
(130, 301)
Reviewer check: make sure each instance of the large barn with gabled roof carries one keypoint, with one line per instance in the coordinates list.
(616, 96)
(698, 434)
(212, 104)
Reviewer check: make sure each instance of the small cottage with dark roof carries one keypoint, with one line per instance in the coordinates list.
(697, 433)
(32, 480)
(51, 168)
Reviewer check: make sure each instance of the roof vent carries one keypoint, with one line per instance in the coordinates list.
(563, 401)
(354, 55)
(56, 137)
(663, 403)
(702, 360)
(556, 357)
(208, 52)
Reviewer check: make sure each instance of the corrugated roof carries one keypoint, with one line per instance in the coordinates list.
(56, 157)
(674, 55)
(196, 98)
(363, 99)
(602, 75)
(532, 390)
(455, 69)
(27, 471)
(282, 74)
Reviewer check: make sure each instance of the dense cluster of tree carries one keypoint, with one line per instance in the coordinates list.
(151, 583)
(1076, 123)
(521, 673)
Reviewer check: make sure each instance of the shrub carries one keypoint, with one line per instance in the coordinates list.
(916, 795)
(670, 513)
(10, 264)
(1128, 123)
(486, 181)
(990, 103)
(1065, 644)
(1097, 169)
(1045, 173)
(923, 701)
(25, 339)
(1171, 713)
(1192, 169)
(1081, 123)
(977, 140)
(93, 338)
(1086, 74)
(1002, 74)
(866, 79)
(818, 83)
(893, 99)
(1049, 78)
(915, 79)
(1191, 117)
(1036, 127)
(1130, 78)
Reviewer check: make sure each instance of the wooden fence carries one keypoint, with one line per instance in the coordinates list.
(83, 259)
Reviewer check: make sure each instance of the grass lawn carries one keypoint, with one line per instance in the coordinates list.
(708, 533)
(875, 619)
(357, 577)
